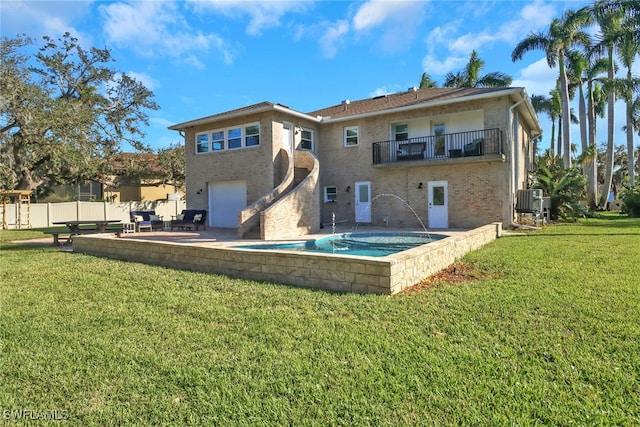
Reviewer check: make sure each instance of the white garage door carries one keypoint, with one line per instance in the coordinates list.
(226, 199)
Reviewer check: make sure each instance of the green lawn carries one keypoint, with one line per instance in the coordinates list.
(549, 336)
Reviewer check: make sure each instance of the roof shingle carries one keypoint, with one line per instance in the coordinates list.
(401, 99)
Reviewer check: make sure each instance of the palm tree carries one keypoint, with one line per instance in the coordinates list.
(583, 69)
(470, 76)
(427, 82)
(610, 20)
(542, 104)
(576, 65)
(595, 107)
(551, 106)
(562, 36)
(628, 48)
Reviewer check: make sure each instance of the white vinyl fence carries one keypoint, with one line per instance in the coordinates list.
(39, 215)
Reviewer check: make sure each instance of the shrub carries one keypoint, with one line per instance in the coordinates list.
(631, 201)
(565, 188)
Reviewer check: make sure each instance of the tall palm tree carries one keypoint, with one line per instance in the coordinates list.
(576, 65)
(470, 76)
(542, 104)
(635, 117)
(426, 81)
(550, 105)
(628, 45)
(562, 36)
(595, 107)
(610, 21)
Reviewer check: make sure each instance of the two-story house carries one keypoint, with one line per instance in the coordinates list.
(442, 157)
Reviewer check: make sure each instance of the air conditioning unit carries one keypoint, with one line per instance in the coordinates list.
(529, 201)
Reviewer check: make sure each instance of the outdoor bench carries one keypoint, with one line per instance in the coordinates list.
(190, 218)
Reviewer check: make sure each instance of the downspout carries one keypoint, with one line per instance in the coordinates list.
(512, 175)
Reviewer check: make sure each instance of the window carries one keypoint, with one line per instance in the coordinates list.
(351, 136)
(217, 140)
(252, 136)
(306, 139)
(227, 139)
(401, 132)
(330, 194)
(202, 143)
(234, 137)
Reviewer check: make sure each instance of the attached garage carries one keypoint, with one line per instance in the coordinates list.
(226, 199)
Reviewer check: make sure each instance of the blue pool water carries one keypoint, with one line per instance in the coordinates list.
(367, 244)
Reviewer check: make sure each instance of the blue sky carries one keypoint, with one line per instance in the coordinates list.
(202, 57)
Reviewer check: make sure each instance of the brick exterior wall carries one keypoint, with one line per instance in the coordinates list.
(298, 212)
(479, 188)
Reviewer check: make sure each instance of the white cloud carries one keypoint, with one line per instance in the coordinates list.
(435, 67)
(442, 34)
(157, 28)
(262, 14)
(148, 81)
(332, 38)
(40, 18)
(465, 44)
(375, 12)
(193, 61)
(538, 14)
(397, 20)
(537, 78)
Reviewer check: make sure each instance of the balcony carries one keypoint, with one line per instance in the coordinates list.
(446, 146)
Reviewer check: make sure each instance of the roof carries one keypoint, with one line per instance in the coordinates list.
(412, 97)
(384, 104)
(238, 112)
(122, 161)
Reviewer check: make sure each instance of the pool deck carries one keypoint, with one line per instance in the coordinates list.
(214, 251)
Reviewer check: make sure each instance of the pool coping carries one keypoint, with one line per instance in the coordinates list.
(334, 272)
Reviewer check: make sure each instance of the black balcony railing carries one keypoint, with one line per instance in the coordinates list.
(449, 145)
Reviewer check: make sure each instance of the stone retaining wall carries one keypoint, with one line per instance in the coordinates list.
(385, 275)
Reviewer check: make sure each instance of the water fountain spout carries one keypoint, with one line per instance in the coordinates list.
(406, 204)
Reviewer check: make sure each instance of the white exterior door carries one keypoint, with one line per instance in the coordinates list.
(226, 199)
(287, 137)
(438, 200)
(363, 201)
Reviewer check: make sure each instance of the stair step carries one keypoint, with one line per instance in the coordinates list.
(255, 235)
(299, 174)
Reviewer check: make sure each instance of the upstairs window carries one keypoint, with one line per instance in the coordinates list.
(227, 139)
(202, 143)
(217, 140)
(251, 136)
(351, 136)
(306, 139)
(401, 132)
(234, 137)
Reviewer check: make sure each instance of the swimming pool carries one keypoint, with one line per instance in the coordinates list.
(365, 244)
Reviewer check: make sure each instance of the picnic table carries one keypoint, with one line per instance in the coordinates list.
(75, 228)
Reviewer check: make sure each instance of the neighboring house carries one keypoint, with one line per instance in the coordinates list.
(135, 177)
(446, 157)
